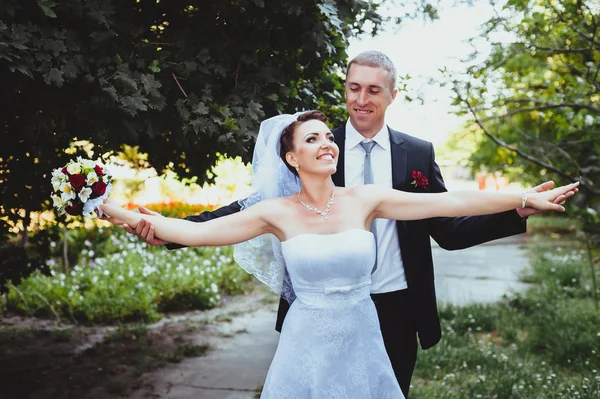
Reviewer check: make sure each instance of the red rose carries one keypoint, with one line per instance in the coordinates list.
(74, 210)
(98, 170)
(64, 170)
(77, 182)
(98, 189)
(419, 179)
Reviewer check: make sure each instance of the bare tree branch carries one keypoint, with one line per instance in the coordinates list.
(528, 157)
(180, 88)
(556, 147)
(540, 108)
(558, 50)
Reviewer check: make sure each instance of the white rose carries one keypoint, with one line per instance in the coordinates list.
(57, 201)
(68, 195)
(92, 178)
(84, 194)
(58, 174)
(88, 164)
(74, 168)
(65, 187)
(56, 185)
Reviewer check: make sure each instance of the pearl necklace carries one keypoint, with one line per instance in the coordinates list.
(311, 208)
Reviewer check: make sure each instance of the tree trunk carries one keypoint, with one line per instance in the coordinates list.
(25, 233)
(593, 270)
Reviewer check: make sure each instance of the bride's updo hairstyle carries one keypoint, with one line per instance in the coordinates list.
(286, 141)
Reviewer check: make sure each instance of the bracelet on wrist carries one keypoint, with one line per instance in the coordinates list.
(523, 200)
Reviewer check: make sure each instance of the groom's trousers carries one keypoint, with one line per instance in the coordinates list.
(399, 330)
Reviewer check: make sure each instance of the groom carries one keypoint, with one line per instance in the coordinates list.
(403, 282)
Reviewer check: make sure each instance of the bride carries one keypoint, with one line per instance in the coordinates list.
(330, 344)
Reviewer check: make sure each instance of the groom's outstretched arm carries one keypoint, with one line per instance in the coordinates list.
(205, 216)
(145, 230)
(463, 232)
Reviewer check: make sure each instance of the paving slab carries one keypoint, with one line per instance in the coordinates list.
(481, 274)
(243, 344)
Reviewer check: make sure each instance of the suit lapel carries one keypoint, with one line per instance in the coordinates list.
(399, 164)
(339, 135)
(399, 160)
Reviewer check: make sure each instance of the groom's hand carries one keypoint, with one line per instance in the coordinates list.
(145, 230)
(528, 211)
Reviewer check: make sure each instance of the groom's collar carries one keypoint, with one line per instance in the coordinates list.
(354, 138)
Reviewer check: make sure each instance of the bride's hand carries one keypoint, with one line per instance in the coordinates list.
(114, 213)
(552, 199)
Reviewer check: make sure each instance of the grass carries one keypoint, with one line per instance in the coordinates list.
(42, 364)
(543, 344)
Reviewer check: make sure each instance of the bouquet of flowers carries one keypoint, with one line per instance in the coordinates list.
(80, 187)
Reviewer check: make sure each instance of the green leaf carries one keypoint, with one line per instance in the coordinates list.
(127, 80)
(56, 46)
(54, 76)
(150, 84)
(154, 66)
(133, 104)
(230, 124)
(46, 6)
(70, 70)
(200, 109)
(112, 92)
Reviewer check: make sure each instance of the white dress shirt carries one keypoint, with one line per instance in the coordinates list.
(389, 275)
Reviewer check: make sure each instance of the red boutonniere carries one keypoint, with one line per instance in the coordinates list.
(419, 179)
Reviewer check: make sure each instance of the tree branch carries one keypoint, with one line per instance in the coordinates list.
(177, 81)
(558, 50)
(539, 108)
(528, 157)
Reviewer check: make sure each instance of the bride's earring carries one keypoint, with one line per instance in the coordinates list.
(297, 168)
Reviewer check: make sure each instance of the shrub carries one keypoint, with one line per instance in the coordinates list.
(131, 282)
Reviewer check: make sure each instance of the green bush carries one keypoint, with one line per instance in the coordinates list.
(133, 281)
(542, 344)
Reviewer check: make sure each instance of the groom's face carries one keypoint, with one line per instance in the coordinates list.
(369, 92)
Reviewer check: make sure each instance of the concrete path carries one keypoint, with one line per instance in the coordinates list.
(245, 340)
(480, 274)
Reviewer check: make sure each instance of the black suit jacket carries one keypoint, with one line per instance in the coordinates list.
(412, 154)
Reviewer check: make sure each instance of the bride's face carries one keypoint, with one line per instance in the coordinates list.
(314, 149)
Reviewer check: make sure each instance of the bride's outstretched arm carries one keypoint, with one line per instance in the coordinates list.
(399, 205)
(227, 230)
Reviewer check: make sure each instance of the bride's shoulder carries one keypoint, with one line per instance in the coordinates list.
(363, 191)
(277, 205)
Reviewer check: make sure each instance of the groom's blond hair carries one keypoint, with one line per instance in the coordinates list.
(377, 59)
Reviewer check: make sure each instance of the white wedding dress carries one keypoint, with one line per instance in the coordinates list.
(331, 344)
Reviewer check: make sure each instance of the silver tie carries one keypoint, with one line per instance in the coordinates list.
(368, 179)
